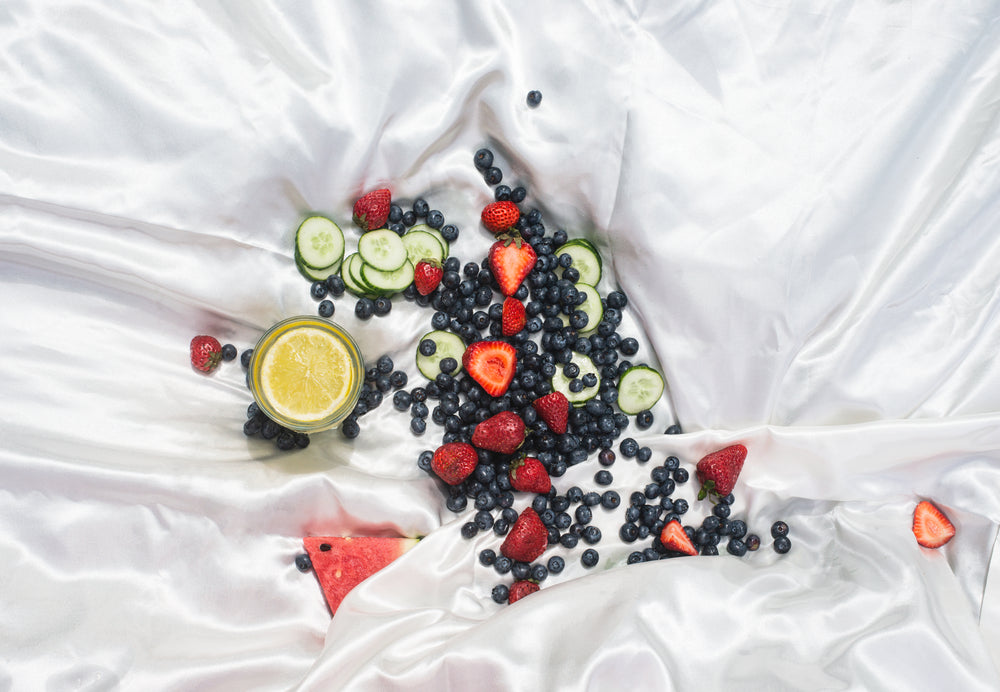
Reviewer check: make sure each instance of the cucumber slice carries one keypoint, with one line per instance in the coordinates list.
(423, 245)
(639, 388)
(560, 383)
(586, 260)
(347, 273)
(592, 306)
(449, 345)
(387, 283)
(319, 242)
(424, 228)
(316, 274)
(382, 249)
(359, 278)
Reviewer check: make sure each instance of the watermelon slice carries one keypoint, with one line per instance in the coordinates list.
(343, 563)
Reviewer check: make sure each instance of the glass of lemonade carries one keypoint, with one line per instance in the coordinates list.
(306, 373)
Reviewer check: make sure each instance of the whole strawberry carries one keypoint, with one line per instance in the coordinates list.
(553, 409)
(719, 470)
(206, 353)
(453, 462)
(499, 216)
(503, 432)
(529, 476)
(427, 275)
(527, 538)
(511, 259)
(512, 317)
(520, 589)
(371, 211)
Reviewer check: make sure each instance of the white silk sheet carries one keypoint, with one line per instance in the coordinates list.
(800, 197)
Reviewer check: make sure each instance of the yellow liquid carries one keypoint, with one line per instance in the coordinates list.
(306, 374)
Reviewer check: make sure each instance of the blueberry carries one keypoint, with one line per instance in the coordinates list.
(568, 540)
(610, 499)
(583, 514)
(435, 219)
(779, 529)
(603, 477)
(538, 572)
(628, 532)
(325, 309)
(418, 426)
(643, 419)
(285, 441)
(500, 593)
(635, 557)
(427, 347)
(518, 194)
(722, 510)
(501, 193)
(501, 527)
(228, 352)
(520, 570)
(673, 430)
(556, 564)
(591, 534)
(680, 506)
(736, 547)
(483, 519)
(364, 308)
(492, 175)
(534, 98)
(397, 379)
(628, 447)
(483, 159)
(487, 557)
(590, 557)
(350, 428)
(318, 290)
(681, 475)
(503, 564)
(382, 305)
(424, 460)
(458, 503)
(303, 563)
(245, 357)
(449, 232)
(616, 300)
(753, 541)
(539, 503)
(335, 285)
(737, 528)
(644, 454)
(671, 463)
(709, 550)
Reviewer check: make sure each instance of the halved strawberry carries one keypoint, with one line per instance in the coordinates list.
(511, 259)
(499, 216)
(675, 537)
(553, 408)
(520, 589)
(930, 525)
(491, 364)
(513, 317)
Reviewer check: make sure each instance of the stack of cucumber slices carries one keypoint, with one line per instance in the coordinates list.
(319, 248)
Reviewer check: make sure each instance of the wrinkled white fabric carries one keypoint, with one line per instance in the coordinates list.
(801, 200)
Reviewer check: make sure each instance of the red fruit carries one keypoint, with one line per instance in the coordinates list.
(427, 275)
(513, 318)
(499, 216)
(206, 353)
(674, 537)
(511, 259)
(454, 462)
(529, 476)
(343, 563)
(719, 470)
(930, 525)
(553, 408)
(502, 433)
(520, 589)
(371, 211)
(527, 538)
(491, 364)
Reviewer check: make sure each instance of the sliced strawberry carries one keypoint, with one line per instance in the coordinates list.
(675, 537)
(511, 260)
(930, 525)
(491, 364)
(499, 216)
(553, 408)
(520, 589)
(513, 317)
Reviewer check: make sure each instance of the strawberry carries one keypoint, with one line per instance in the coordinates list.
(529, 476)
(491, 364)
(527, 538)
(675, 537)
(371, 211)
(553, 408)
(499, 216)
(427, 275)
(511, 259)
(719, 470)
(930, 525)
(206, 353)
(513, 317)
(502, 433)
(520, 589)
(453, 462)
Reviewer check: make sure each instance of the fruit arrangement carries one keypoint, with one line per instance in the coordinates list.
(526, 376)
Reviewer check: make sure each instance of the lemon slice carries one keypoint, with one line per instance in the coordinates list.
(306, 374)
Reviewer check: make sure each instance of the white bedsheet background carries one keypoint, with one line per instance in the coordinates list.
(801, 199)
